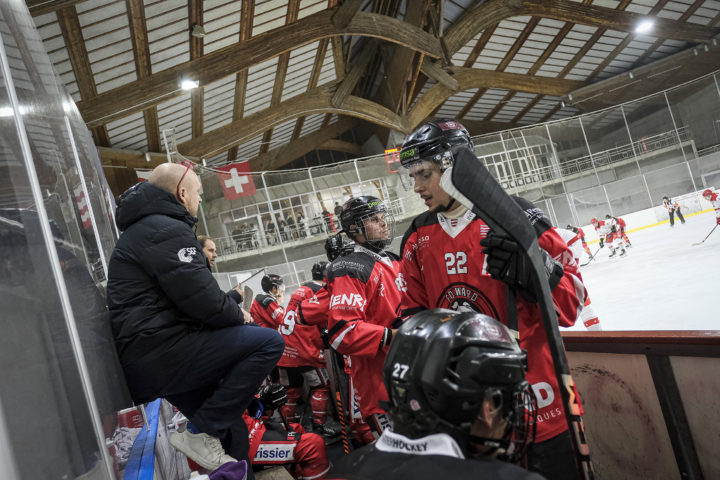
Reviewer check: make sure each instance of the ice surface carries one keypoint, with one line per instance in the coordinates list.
(663, 283)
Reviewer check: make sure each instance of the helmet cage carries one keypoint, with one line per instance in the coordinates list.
(356, 218)
(444, 159)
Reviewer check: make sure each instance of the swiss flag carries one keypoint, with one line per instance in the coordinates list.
(143, 175)
(83, 207)
(236, 181)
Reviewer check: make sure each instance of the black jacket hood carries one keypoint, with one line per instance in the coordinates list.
(145, 199)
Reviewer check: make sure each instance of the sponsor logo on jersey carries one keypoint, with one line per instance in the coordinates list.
(400, 283)
(352, 300)
(275, 453)
(186, 254)
(464, 297)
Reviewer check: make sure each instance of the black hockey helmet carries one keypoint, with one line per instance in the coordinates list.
(437, 141)
(318, 270)
(271, 280)
(336, 245)
(443, 365)
(607, 216)
(358, 211)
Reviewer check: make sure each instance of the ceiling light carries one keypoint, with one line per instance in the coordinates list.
(189, 84)
(644, 27)
(198, 31)
(8, 111)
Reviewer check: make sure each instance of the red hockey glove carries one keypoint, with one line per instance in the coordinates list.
(717, 220)
(509, 264)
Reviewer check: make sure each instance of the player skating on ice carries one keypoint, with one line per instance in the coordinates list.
(673, 208)
(451, 259)
(588, 316)
(459, 401)
(607, 234)
(619, 225)
(714, 199)
(579, 237)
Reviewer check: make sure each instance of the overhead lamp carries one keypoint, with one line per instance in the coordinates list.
(189, 84)
(644, 27)
(8, 111)
(198, 31)
(630, 74)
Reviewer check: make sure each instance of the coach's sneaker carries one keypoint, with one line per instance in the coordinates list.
(203, 449)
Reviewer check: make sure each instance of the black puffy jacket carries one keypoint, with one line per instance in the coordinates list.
(159, 283)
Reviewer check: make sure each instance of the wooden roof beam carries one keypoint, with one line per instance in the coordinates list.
(143, 68)
(285, 154)
(338, 145)
(494, 11)
(468, 78)
(41, 7)
(197, 95)
(163, 86)
(312, 83)
(75, 44)
(317, 101)
(359, 67)
(247, 11)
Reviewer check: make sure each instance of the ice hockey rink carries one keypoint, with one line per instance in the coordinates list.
(663, 283)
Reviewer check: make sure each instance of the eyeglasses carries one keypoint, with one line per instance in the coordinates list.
(188, 166)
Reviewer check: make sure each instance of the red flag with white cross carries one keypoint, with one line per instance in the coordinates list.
(236, 181)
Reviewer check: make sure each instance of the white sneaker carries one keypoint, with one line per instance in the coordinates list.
(203, 449)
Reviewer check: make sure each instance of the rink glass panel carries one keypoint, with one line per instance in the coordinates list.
(50, 378)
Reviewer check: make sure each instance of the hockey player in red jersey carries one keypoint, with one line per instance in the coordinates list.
(619, 225)
(364, 289)
(303, 359)
(460, 404)
(578, 237)
(588, 316)
(714, 199)
(445, 265)
(287, 444)
(265, 309)
(608, 234)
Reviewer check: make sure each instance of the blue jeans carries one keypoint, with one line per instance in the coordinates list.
(224, 376)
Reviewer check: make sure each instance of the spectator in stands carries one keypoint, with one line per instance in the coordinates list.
(237, 234)
(327, 217)
(282, 227)
(673, 208)
(300, 223)
(292, 233)
(270, 234)
(177, 334)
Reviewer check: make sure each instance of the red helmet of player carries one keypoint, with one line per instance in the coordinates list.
(707, 193)
(594, 221)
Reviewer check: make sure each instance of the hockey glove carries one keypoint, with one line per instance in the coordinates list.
(273, 396)
(508, 263)
(717, 220)
(602, 242)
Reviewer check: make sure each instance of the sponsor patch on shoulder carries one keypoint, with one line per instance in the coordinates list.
(186, 254)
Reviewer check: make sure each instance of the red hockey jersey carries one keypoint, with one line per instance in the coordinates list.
(303, 342)
(444, 267)
(364, 290)
(266, 312)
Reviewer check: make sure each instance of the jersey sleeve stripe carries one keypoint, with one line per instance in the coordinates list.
(336, 343)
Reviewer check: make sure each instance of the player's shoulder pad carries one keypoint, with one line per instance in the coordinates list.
(423, 220)
(537, 218)
(312, 286)
(264, 300)
(356, 265)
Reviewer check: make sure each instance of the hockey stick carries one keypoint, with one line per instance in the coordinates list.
(469, 182)
(591, 258)
(247, 298)
(708, 235)
(339, 389)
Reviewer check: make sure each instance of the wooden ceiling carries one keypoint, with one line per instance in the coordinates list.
(280, 79)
